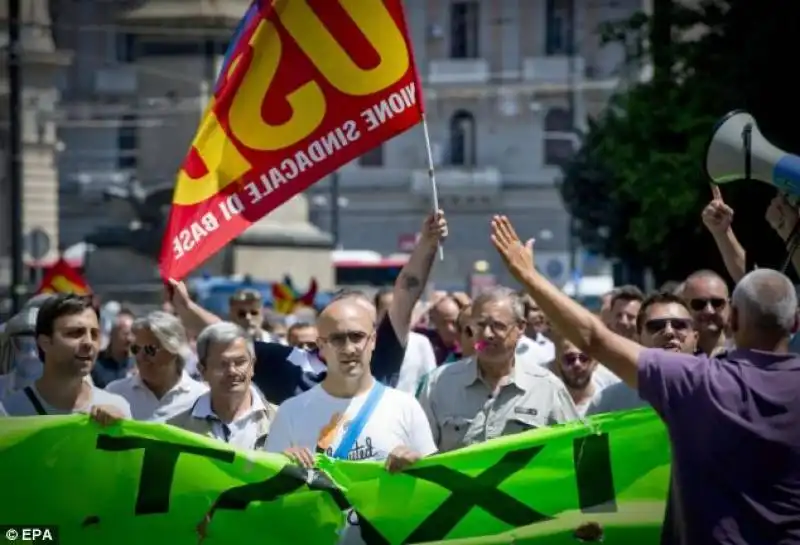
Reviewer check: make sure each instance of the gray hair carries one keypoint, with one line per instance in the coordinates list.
(169, 331)
(502, 293)
(222, 333)
(768, 300)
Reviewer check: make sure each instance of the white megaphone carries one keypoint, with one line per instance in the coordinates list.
(738, 151)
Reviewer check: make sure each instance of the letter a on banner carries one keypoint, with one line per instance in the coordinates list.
(306, 86)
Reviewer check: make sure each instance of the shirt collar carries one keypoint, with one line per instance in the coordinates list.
(202, 407)
(473, 375)
(184, 384)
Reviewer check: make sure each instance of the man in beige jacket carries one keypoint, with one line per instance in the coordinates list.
(233, 410)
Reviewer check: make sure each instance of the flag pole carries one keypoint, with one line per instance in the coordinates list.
(431, 173)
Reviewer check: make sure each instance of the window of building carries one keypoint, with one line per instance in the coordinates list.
(559, 21)
(373, 158)
(559, 139)
(127, 142)
(462, 139)
(464, 30)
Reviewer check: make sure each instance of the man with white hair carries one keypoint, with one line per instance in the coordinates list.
(161, 388)
(733, 419)
(233, 410)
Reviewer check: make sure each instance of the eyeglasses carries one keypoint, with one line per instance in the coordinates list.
(658, 325)
(575, 357)
(247, 313)
(149, 350)
(341, 339)
(701, 303)
(498, 328)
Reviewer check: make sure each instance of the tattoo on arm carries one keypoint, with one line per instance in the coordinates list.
(411, 282)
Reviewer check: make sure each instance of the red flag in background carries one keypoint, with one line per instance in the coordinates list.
(63, 278)
(308, 86)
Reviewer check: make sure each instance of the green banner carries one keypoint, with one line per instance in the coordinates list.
(138, 482)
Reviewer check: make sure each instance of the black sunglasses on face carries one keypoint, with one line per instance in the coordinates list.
(148, 349)
(341, 339)
(575, 357)
(658, 325)
(699, 304)
(247, 313)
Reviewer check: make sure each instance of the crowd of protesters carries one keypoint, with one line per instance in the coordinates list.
(388, 377)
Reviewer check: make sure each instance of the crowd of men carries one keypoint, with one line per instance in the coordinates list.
(390, 378)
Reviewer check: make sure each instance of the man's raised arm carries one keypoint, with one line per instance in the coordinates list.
(194, 317)
(410, 284)
(576, 323)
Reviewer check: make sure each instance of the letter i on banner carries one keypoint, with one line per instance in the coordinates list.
(299, 95)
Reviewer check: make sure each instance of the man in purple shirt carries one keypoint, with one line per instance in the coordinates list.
(733, 420)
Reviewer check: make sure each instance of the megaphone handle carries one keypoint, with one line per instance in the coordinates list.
(747, 144)
(792, 247)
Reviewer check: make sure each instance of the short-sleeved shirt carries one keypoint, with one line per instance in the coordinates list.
(734, 425)
(463, 410)
(20, 403)
(283, 371)
(146, 406)
(319, 422)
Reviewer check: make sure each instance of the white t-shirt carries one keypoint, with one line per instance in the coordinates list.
(317, 418)
(19, 404)
(418, 362)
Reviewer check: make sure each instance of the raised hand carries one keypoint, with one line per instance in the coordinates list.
(517, 256)
(717, 216)
(434, 229)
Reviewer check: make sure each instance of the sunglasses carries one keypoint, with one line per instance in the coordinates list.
(341, 339)
(573, 358)
(700, 304)
(309, 346)
(658, 325)
(148, 349)
(247, 313)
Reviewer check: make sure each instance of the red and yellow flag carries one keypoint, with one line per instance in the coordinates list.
(307, 86)
(63, 278)
(286, 298)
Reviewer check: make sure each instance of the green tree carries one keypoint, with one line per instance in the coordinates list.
(638, 177)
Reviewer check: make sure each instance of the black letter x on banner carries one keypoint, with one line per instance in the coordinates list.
(481, 491)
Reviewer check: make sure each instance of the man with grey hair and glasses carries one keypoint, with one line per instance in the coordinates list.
(495, 392)
(233, 409)
(733, 419)
(161, 388)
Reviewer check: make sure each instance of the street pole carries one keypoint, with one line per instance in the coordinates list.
(18, 280)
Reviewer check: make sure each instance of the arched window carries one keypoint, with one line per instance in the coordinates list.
(462, 139)
(559, 139)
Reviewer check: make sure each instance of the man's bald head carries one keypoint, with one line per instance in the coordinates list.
(347, 309)
(765, 301)
(347, 337)
(358, 297)
(444, 317)
(701, 277)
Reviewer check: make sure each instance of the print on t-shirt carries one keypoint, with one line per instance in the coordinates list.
(329, 433)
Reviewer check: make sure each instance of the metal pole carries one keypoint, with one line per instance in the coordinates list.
(334, 196)
(18, 280)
